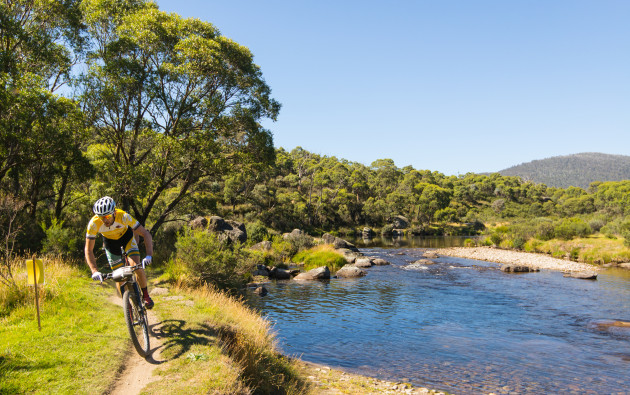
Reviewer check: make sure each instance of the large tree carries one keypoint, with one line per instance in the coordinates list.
(174, 104)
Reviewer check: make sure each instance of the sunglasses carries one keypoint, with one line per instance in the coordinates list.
(106, 217)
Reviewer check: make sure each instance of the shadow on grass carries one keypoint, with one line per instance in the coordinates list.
(178, 337)
(262, 369)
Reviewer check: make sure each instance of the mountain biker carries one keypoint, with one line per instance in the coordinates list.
(118, 229)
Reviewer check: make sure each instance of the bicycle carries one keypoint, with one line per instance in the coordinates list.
(133, 304)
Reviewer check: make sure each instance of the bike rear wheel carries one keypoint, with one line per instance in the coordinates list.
(137, 323)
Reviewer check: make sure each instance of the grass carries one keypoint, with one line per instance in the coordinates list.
(80, 347)
(595, 249)
(323, 255)
(211, 343)
(218, 345)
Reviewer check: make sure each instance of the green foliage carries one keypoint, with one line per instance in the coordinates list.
(62, 241)
(207, 260)
(256, 232)
(320, 256)
(568, 229)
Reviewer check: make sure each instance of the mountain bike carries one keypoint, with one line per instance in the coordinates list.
(133, 304)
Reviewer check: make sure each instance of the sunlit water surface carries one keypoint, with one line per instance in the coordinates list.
(460, 325)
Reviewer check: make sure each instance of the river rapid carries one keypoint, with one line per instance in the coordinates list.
(460, 325)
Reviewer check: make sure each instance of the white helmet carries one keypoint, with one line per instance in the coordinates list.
(104, 206)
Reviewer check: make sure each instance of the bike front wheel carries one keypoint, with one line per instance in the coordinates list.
(137, 323)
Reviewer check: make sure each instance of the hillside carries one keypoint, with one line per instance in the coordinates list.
(577, 170)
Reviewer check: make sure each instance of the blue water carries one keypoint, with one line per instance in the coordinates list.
(460, 325)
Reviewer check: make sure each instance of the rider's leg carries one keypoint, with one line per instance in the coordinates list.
(134, 254)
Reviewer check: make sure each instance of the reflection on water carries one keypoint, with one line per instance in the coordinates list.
(460, 325)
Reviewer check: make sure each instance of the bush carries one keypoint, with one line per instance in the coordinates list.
(323, 255)
(257, 232)
(62, 241)
(208, 260)
(571, 228)
(496, 238)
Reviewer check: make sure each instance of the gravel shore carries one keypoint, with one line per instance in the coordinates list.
(518, 258)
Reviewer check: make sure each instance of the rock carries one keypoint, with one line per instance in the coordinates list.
(320, 273)
(424, 262)
(363, 262)
(400, 222)
(349, 271)
(262, 246)
(508, 268)
(198, 223)
(582, 275)
(398, 232)
(380, 262)
(279, 274)
(260, 291)
(367, 233)
(261, 270)
(338, 243)
(431, 255)
(228, 230)
(294, 234)
(625, 265)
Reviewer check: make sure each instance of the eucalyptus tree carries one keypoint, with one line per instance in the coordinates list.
(40, 131)
(174, 104)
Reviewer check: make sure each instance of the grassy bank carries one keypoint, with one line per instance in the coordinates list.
(211, 343)
(79, 349)
(596, 249)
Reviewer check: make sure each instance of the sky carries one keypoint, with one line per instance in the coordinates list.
(454, 86)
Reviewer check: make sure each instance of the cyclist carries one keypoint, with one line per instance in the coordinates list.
(118, 229)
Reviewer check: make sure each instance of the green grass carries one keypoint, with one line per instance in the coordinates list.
(215, 344)
(80, 347)
(323, 255)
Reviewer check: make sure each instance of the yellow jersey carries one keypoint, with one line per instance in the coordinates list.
(122, 219)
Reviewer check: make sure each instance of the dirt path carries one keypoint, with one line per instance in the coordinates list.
(138, 372)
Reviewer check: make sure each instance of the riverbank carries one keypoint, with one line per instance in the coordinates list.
(530, 259)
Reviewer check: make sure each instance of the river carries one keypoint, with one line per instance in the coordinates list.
(460, 325)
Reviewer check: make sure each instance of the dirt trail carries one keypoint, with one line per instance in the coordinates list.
(138, 371)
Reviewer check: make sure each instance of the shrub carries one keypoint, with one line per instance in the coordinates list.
(496, 238)
(62, 241)
(323, 255)
(596, 224)
(571, 228)
(518, 242)
(257, 232)
(208, 260)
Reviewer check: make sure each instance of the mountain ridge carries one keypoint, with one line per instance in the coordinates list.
(578, 170)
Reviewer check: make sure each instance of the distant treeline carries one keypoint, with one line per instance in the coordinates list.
(577, 170)
(164, 114)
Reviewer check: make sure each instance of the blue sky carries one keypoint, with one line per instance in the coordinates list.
(455, 86)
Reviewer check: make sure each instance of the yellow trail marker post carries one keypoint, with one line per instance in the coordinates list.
(35, 272)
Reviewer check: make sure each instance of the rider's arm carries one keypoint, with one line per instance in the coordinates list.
(89, 254)
(148, 240)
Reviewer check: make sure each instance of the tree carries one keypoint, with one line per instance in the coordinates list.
(174, 102)
(40, 132)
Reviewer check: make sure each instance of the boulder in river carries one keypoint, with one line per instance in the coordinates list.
(430, 255)
(363, 262)
(279, 274)
(380, 262)
(509, 268)
(349, 271)
(582, 275)
(338, 243)
(320, 273)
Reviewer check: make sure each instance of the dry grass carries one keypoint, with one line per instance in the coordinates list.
(216, 344)
(596, 249)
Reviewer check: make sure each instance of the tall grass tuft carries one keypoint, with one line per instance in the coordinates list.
(323, 255)
(247, 339)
